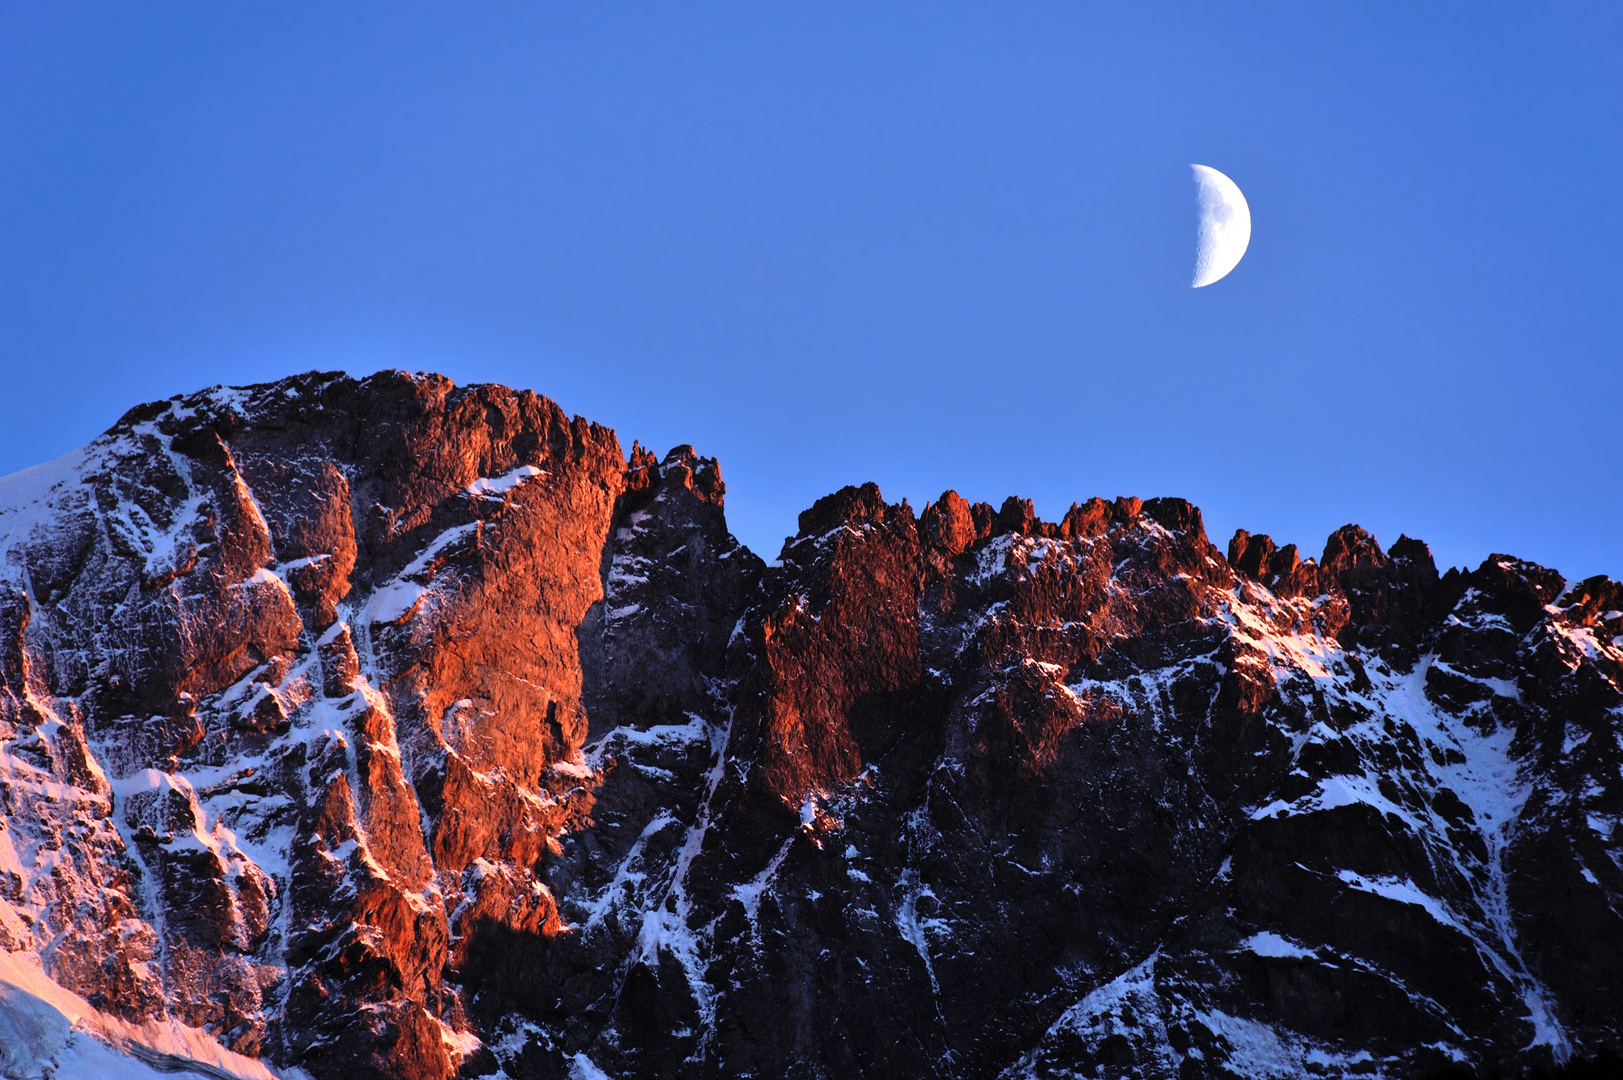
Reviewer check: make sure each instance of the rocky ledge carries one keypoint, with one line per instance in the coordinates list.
(387, 728)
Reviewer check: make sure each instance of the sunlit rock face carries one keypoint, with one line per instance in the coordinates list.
(388, 728)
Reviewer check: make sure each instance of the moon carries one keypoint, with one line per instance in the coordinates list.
(1225, 225)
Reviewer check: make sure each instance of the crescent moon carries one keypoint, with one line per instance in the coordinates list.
(1225, 225)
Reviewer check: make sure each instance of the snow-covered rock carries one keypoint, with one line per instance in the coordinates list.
(388, 728)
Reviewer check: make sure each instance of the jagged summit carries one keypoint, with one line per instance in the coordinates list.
(384, 727)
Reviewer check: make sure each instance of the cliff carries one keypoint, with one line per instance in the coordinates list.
(387, 728)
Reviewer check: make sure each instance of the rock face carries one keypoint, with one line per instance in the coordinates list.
(386, 728)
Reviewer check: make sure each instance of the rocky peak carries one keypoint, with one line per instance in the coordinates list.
(948, 526)
(389, 728)
(843, 625)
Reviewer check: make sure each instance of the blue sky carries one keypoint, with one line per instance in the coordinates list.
(932, 245)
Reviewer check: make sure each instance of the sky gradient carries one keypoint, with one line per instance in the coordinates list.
(931, 245)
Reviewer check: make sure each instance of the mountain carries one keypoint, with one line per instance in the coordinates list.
(388, 728)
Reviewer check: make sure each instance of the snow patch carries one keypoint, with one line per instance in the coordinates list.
(26, 487)
(1268, 943)
(499, 486)
(581, 1067)
(46, 1030)
(749, 894)
(394, 602)
(1403, 891)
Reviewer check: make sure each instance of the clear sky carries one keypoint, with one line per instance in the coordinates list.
(933, 245)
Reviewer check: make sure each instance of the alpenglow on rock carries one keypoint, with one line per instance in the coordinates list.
(387, 728)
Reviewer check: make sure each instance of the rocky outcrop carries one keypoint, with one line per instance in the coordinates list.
(286, 648)
(389, 728)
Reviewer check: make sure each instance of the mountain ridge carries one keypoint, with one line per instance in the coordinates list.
(383, 727)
